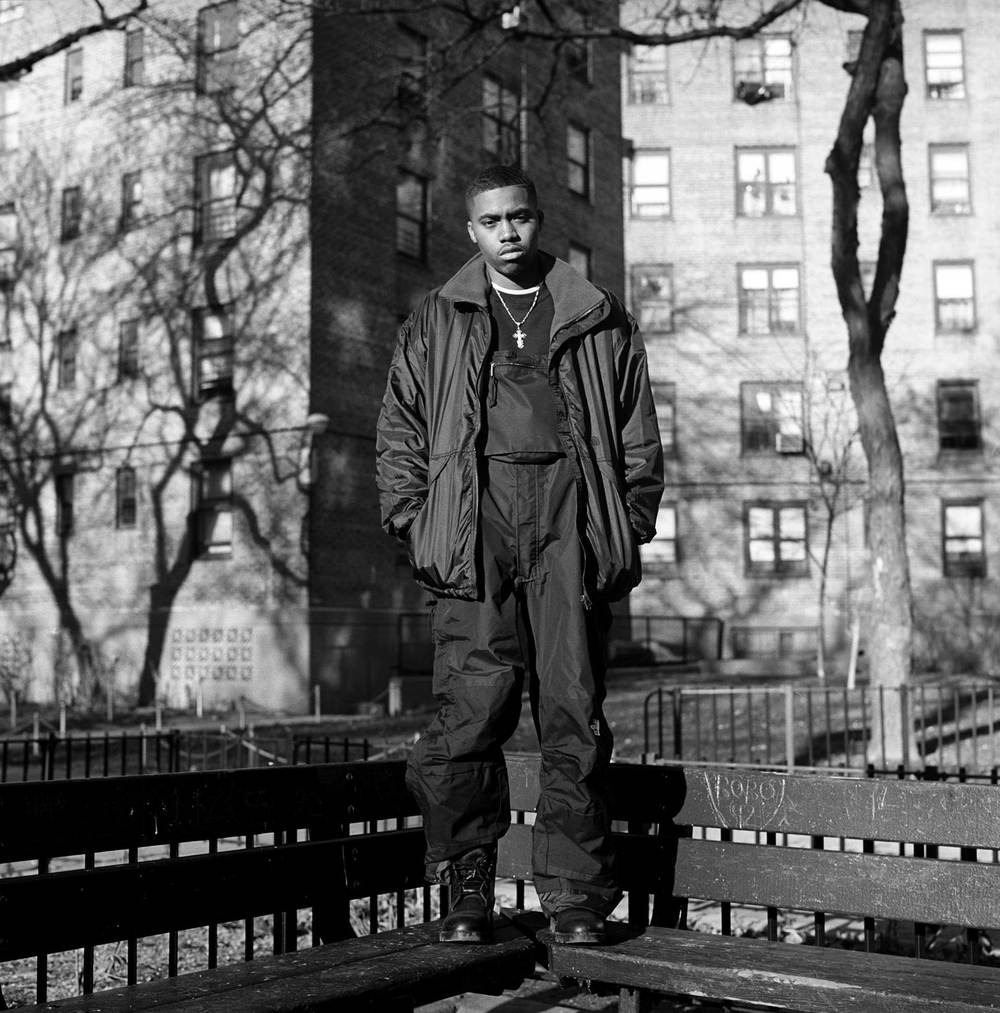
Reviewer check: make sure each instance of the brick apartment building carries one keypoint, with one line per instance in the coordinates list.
(211, 225)
(727, 243)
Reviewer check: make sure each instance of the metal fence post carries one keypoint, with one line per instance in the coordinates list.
(789, 727)
(675, 698)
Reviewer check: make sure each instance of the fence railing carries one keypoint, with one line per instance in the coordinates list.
(950, 726)
(51, 755)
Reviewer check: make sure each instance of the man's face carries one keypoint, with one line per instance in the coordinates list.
(505, 223)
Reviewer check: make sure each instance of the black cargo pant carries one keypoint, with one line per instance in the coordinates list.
(532, 620)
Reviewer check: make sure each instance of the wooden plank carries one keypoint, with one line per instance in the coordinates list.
(114, 902)
(106, 814)
(391, 970)
(883, 886)
(945, 813)
(805, 978)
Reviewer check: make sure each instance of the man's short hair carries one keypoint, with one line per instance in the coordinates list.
(493, 177)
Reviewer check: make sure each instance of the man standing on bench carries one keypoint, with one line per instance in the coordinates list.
(519, 461)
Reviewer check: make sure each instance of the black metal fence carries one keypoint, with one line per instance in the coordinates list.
(50, 755)
(950, 727)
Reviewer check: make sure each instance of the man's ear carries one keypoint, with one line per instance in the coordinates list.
(472, 235)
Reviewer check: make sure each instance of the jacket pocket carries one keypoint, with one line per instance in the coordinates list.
(609, 534)
(434, 534)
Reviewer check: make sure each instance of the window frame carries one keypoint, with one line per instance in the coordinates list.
(73, 83)
(71, 214)
(211, 226)
(931, 90)
(67, 352)
(769, 187)
(779, 569)
(134, 70)
(420, 221)
(743, 305)
(637, 272)
(666, 185)
(950, 208)
(204, 505)
(578, 59)
(414, 68)
(940, 327)
(214, 67)
(128, 349)
(953, 565)
(634, 77)
(10, 116)
(971, 434)
(126, 498)
(64, 481)
(668, 565)
(131, 209)
(500, 137)
(753, 91)
(665, 393)
(221, 384)
(575, 168)
(773, 445)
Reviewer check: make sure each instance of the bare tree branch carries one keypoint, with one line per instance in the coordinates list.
(14, 69)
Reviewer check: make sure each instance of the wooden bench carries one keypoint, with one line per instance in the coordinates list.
(776, 842)
(272, 841)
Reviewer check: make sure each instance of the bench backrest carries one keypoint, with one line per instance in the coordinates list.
(757, 838)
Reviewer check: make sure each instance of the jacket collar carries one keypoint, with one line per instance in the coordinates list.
(572, 295)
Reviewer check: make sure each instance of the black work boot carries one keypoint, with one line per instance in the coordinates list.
(470, 878)
(578, 926)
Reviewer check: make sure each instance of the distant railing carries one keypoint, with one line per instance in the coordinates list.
(951, 727)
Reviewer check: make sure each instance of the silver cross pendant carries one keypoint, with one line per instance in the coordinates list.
(519, 337)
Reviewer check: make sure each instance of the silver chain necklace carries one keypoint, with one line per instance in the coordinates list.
(519, 335)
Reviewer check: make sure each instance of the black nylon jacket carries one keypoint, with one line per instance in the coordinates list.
(426, 449)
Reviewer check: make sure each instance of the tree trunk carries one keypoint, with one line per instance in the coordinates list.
(878, 89)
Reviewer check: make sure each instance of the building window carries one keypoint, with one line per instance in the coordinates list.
(66, 347)
(501, 121)
(214, 508)
(11, 10)
(6, 405)
(769, 300)
(771, 418)
(949, 174)
(74, 76)
(762, 68)
(10, 116)
(959, 422)
(64, 502)
(215, 196)
(579, 258)
(944, 65)
(579, 60)
(413, 54)
(218, 42)
(8, 243)
(135, 67)
(648, 80)
(650, 189)
(765, 182)
(578, 159)
(125, 498)
(659, 557)
(954, 297)
(131, 200)
(411, 215)
(72, 211)
(653, 297)
(128, 350)
(964, 546)
(665, 399)
(213, 353)
(776, 539)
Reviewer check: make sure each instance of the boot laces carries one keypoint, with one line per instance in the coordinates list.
(472, 874)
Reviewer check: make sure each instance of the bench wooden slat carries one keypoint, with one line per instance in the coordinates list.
(737, 969)
(105, 814)
(117, 901)
(927, 812)
(882, 886)
(389, 971)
